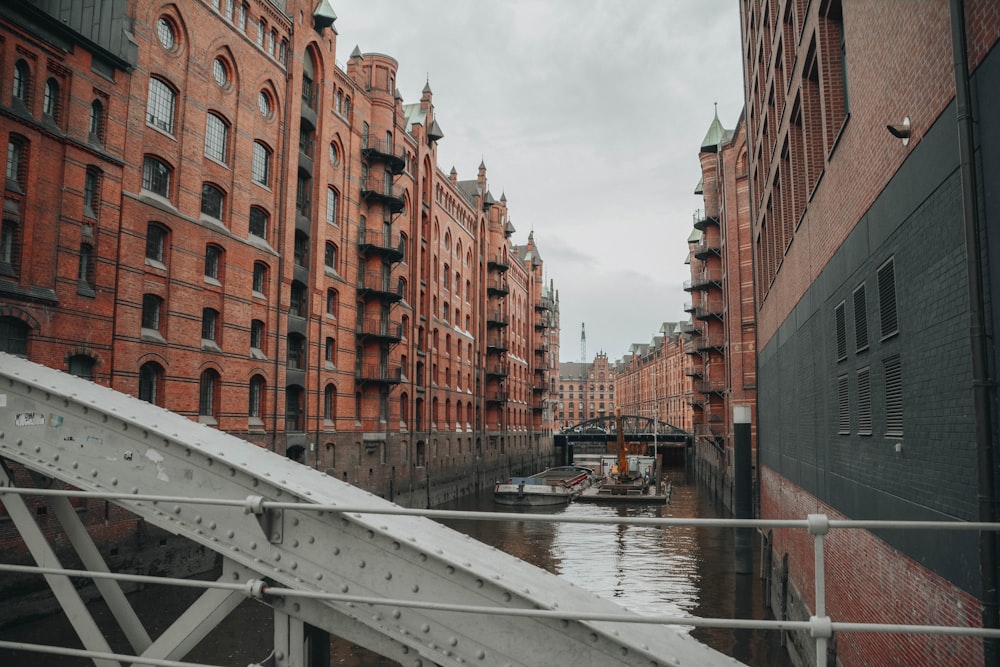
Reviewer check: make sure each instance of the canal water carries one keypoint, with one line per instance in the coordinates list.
(649, 570)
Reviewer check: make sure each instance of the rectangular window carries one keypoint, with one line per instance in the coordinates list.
(259, 277)
(156, 237)
(258, 223)
(216, 138)
(864, 402)
(860, 319)
(843, 406)
(841, 318)
(331, 206)
(257, 334)
(209, 323)
(260, 167)
(212, 257)
(893, 396)
(151, 306)
(160, 106)
(155, 177)
(887, 299)
(90, 193)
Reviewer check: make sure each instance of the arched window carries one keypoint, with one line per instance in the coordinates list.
(260, 166)
(161, 105)
(14, 336)
(259, 278)
(330, 256)
(332, 201)
(257, 336)
(258, 222)
(216, 137)
(157, 242)
(152, 312)
(213, 262)
(210, 326)
(50, 101)
(308, 78)
(330, 403)
(22, 82)
(208, 399)
(82, 366)
(97, 121)
(256, 400)
(156, 176)
(212, 201)
(85, 270)
(150, 382)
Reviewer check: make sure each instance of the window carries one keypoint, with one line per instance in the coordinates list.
(843, 406)
(300, 254)
(10, 247)
(50, 100)
(257, 335)
(216, 138)
(307, 139)
(165, 32)
(864, 402)
(97, 121)
(156, 176)
(212, 200)
(264, 104)
(860, 319)
(17, 161)
(329, 403)
(261, 29)
(85, 269)
(297, 302)
(156, 243)
(303, 195)
(334, 155)
(258, 222)
(150, 379)
(14, 336)
(330, 351)
(295, 417)
(296, 351)
(260, 168)
(209, 325)
(91, 191)
(241, 16)
(256, 398)
(308, 89)
(213, 258)
(220, 72)
(887, 299)
(208, 386)
(271, 38)
(22, 82)
(160, 106)
(82, 366)
(893, 396)
(330, 256)
(259, 278)
(841, 318)
(332, 201)
(152, 308)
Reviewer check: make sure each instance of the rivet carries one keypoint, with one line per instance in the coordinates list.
(197, 519)
(177, 509)
(388, 576)
(296, 606)
(230, 533)
(624, 651)
(361, 565)
(55, 457)
(506, 596)
(253, 545)
(453, 641)
(481, 655)
(114, 481)
(294, 566)
(395, 546)
(311, 539)
(319, 576)
(416, 588)
(211, 524)
(276, 556)
(396, 614)
(336, 550)
(479, 583)
(345, 588)
(425, 628)
(75, 465)
(295, 521)
(450, 570)
(593, 637)
(295, 543)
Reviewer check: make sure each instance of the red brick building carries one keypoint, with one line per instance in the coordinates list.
(721, 351)
(586, 391)
(653, 381)
(205, 210)
(872, 141)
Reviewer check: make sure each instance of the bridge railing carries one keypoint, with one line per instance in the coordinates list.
(820, 625)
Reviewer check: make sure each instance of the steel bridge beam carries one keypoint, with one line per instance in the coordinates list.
(100, 440)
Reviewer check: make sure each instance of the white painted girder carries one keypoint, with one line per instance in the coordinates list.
(100, 440)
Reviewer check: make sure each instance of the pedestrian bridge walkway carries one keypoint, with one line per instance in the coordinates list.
(315, 549)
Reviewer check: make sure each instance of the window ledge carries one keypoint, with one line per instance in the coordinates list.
(211, 345)
(257, 353)
(208, 420)
(153, 335)
(156, 264)
(212, 281)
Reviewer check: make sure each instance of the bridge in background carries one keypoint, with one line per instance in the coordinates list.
(601, 433)
(402, 586)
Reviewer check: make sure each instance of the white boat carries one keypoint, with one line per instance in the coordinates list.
(555, 486)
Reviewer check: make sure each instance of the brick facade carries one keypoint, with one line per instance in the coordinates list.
(273, 249)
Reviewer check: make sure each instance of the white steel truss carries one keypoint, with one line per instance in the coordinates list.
(98, 440)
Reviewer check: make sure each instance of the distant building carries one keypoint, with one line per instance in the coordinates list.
(586, 391)
(652, 380)
(873, 146)
(204, 209)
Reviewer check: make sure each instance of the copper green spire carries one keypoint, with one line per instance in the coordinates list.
(714, 134)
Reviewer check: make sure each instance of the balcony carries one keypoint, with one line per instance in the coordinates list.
(380, 242)
(709, 277)
(545, 303)
(498, 264)
(709, 308)
(688, 307)
(375, 150)
(703, 221)
(378, 374)
(538, 403)
(694, 370)
(542, 347)
(542, 321)
(375, 328)
(496, 319)
(711, 386)
(496, 370)
(496, 397)
(375, 190)
(497, 286)
(496, 344)
(695, 400)
(707, 247)
(712, 341)
(378, 285)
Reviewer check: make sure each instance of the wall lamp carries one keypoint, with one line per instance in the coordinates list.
(901, 131)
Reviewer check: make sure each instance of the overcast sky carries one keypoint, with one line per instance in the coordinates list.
(588, 115)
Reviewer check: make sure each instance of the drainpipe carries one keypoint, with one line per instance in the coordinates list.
(981, 382)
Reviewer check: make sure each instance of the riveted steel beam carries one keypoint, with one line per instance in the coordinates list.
(100, 440)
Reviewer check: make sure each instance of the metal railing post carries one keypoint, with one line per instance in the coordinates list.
(820, 626)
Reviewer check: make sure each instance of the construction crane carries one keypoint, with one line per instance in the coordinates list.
(583, 342)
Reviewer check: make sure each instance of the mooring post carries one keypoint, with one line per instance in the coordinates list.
(742, 487)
